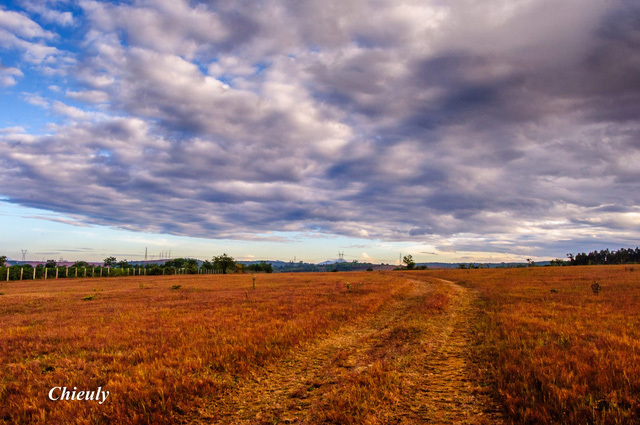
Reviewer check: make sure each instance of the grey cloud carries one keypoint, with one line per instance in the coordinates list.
(410, 121)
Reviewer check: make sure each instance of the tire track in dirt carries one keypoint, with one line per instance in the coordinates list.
(443, 390)
(422, 336)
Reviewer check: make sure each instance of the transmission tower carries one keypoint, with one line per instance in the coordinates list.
(24, 254)
(145, 254)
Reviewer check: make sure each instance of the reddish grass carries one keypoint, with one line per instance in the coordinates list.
(569, 356)
(161, 353)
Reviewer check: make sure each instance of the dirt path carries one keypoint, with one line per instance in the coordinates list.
(444, 391)
(406, 364)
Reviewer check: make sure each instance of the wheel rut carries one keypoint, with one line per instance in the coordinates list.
(444, 390)
(406, 364)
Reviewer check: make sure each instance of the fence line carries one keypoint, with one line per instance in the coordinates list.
(14, 273)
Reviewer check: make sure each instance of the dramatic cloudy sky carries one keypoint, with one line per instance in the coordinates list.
(453, 130)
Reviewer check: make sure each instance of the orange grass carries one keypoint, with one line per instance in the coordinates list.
(162, 353)
(569, 356)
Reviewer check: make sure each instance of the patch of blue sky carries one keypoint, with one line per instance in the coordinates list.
(11, 5)
(261, 66)
(15, 111)
(226, 79)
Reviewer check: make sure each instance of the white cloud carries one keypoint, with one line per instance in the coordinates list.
(8, 76)
(70, 111)
(47, 13)
(23, 27)
(91, 96)
(12, 130)
(36, 100)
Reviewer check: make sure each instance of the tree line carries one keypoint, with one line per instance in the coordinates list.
(621, 256)
(221, 264)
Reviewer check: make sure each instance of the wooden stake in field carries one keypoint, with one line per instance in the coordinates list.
(7, 273)
(93, 272)
(34, 273)
(85, 272)
(66, 271)
(21, 271)
(45, 273)
(56, 272)
(76, 272)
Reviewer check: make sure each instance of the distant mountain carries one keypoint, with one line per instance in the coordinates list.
(481, 265)
(326, 263)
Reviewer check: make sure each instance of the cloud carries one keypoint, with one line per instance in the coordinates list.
(12, 130)
(60, 220)
(496, 126)
(8, 76)
(20, 33)
(70, 111)
(22, 26)
(89, 96)
(36, 100)
(45, 9)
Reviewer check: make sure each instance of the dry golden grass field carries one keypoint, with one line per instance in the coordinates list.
(532, 345)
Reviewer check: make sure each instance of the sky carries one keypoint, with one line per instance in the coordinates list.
(454, 131)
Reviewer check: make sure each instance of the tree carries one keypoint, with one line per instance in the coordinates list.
(408, 260)
(110, 261)
(80, 264)
(3, 260)
(50, 264)
(260, 267)
(124, 264)
(224, 262)
(267, 267)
